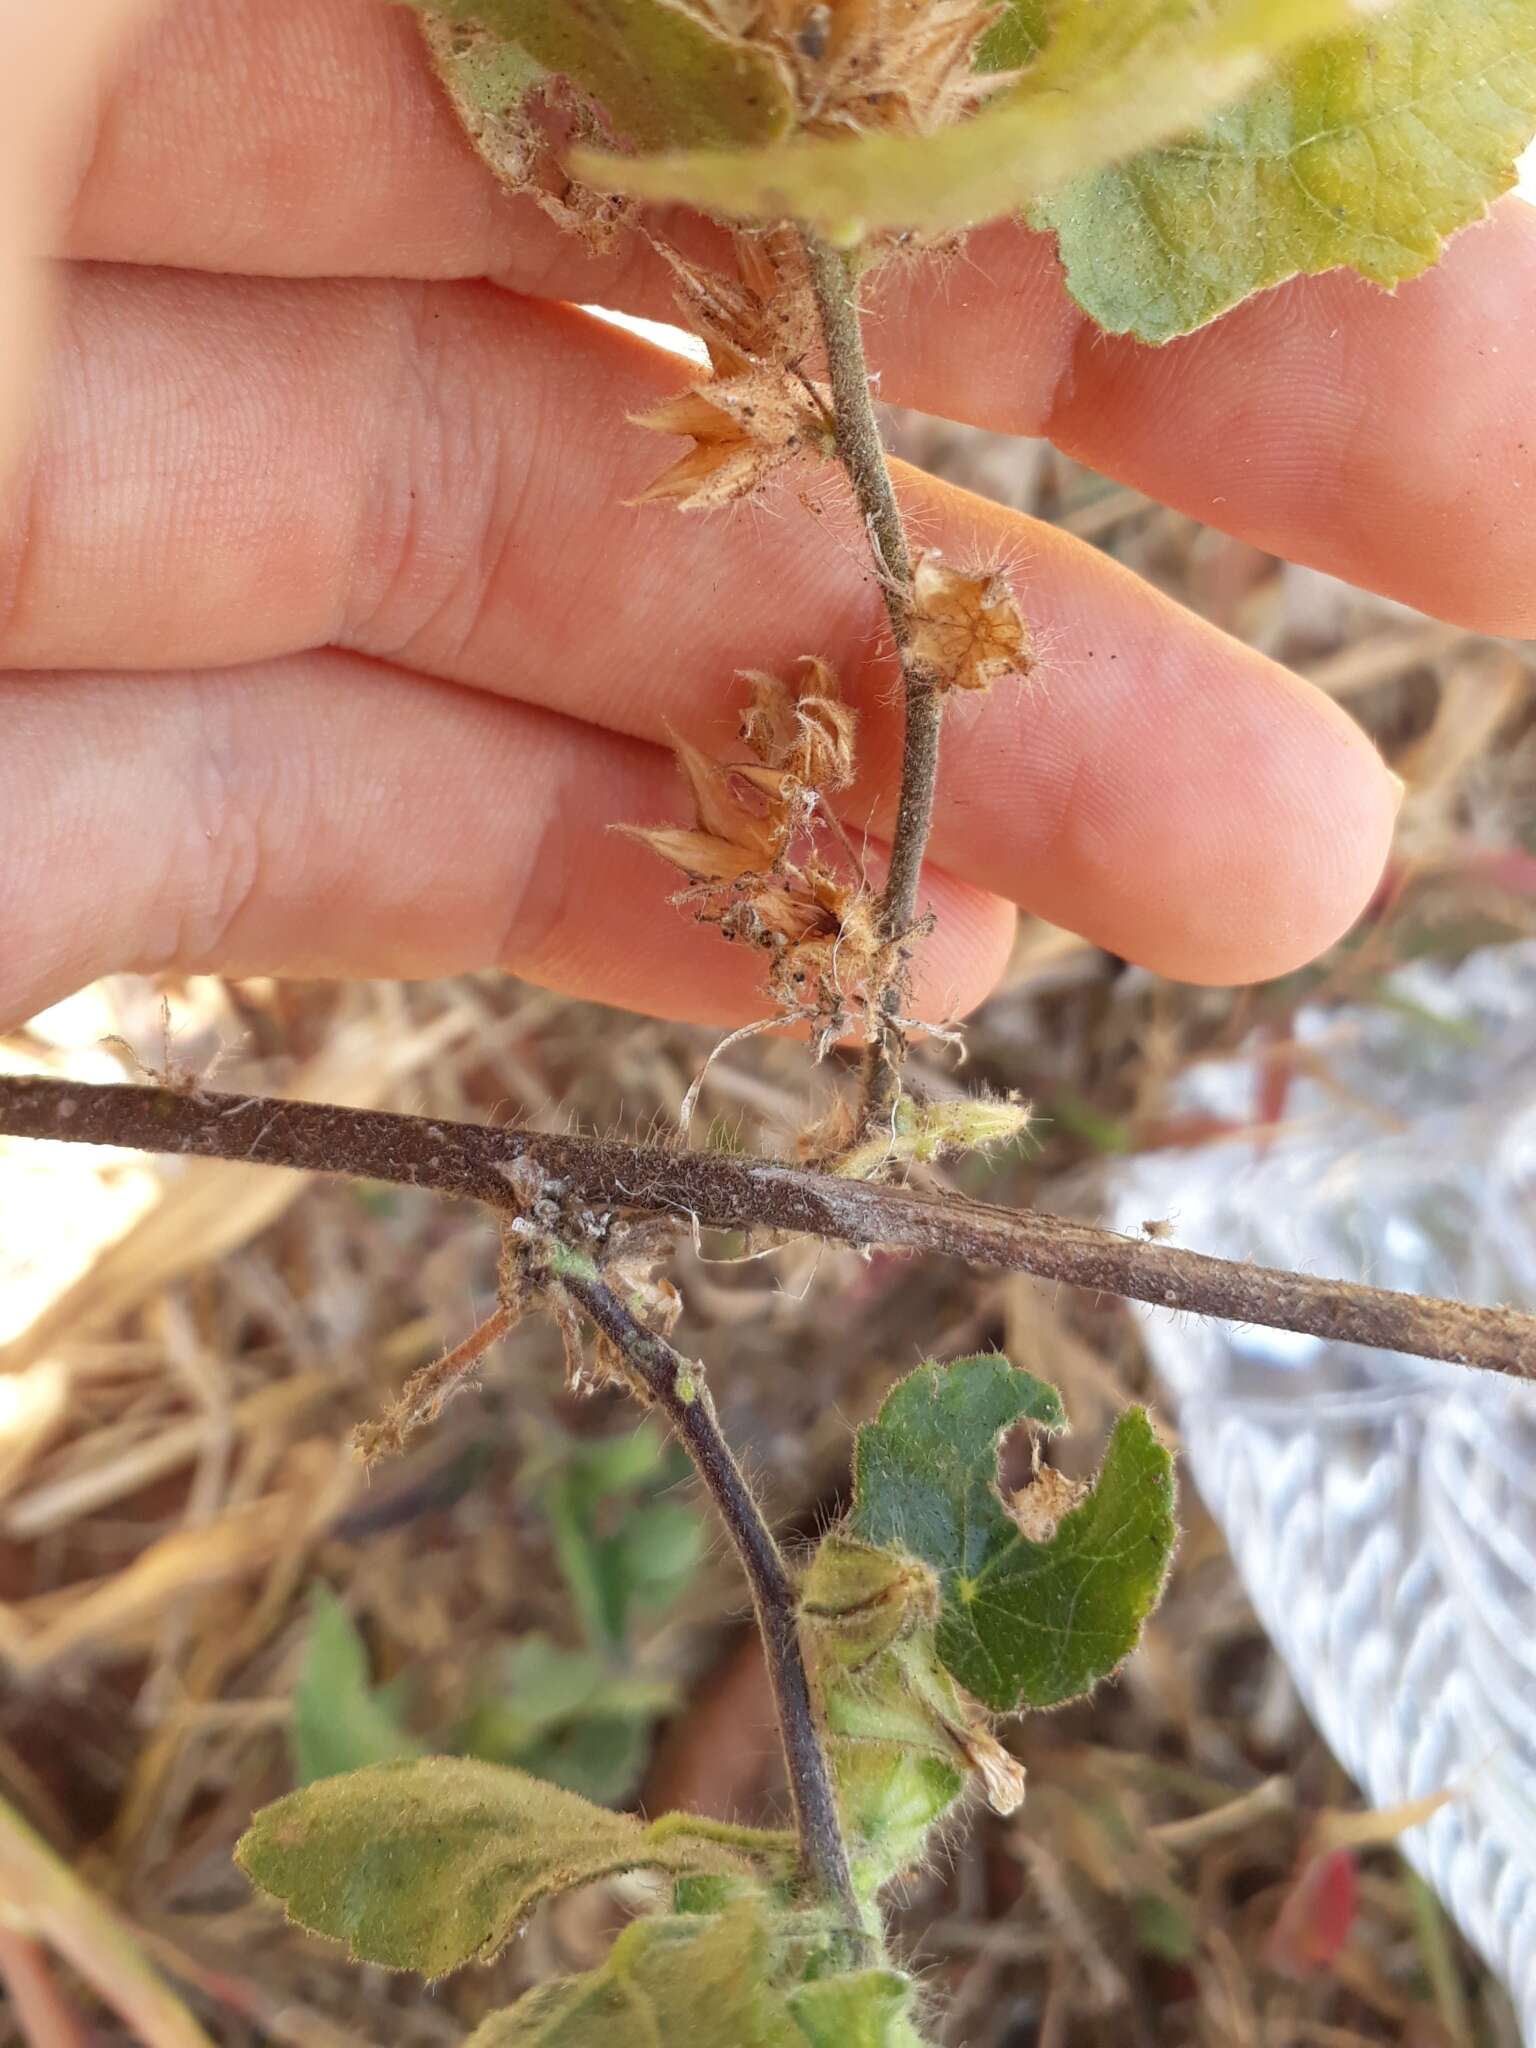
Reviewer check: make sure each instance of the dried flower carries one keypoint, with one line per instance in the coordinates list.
(967, 628)
(1002, 1775)
(743, 428)
(863, 64)
(806, 734)
(762, 315)
(1038, 1508)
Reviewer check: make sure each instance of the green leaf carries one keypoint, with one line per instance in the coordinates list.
(1116, 77)
(1022, 1622)
(687, 1982)
(339, 1721)
(429, 1865)
(566, 1716)
(1367, 150)
(867, 2009)
(664, 76)
(619, 1547)
(539, 1687)
(1016, 37)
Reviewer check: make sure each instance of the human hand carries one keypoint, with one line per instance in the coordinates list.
(332, 648)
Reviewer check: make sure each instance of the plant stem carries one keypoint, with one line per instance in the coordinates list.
(724, 1191)
(677, 1387)
(862, 453)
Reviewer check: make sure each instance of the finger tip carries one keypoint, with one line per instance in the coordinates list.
(1303, 859)
(966, 955)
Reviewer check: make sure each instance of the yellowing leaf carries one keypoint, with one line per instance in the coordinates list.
(664, 76)
(432, 1864)
(686, 1981)
(1022, 1622)
(1116, 77)
(1366, 150)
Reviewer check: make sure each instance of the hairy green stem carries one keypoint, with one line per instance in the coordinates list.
(725, 1191)
(677, 1387)
(862, 453)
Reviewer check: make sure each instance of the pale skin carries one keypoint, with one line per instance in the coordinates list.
(330, 647)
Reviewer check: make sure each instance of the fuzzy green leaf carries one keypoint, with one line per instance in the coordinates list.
(688, 1982)
(568, 1716)
(664, 77)
(1022, 1622)
(867, 2009)
(340, 1722)
(1366, 150)
(1016, 37)
(429, 1865)
(1115, 77)
(623, 1546)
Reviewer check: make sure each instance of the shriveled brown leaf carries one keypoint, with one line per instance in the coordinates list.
(521, 120)
(967, 627)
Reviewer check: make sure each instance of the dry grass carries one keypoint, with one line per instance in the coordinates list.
(188, 1351)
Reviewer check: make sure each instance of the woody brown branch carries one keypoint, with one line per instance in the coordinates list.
(663, 1376)
(724, 1191)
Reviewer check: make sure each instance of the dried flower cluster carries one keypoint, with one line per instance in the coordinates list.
(868, 64)
(757, 854)
(758, 409)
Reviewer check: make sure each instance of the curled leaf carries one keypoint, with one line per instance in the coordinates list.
(967, 629)
(1023, 1622)
(431, 1864)
(904, 1741)
(918, 1132)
